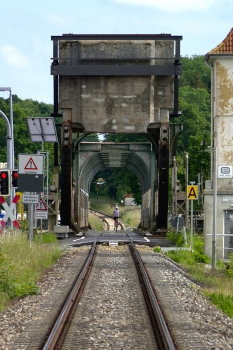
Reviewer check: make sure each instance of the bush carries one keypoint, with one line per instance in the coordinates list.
(157, 249)
(177, 238)
(184, 256)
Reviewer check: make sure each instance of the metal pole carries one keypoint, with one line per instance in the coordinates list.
(12, 155)
(214, 211)
(192, 183)
(31, 225)
(9, 156)
(12, 130)
(191, 225)
(175, 180)
(186, 193)
(199, 187)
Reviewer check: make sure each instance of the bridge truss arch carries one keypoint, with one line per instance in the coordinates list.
(136, 157)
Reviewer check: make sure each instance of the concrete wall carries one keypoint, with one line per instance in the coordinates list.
(123, 104)
(222, 113)
(224, 202)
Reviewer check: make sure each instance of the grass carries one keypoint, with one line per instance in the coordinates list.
(95, 222)
(129, 215)
(21, 266)
(217, 283)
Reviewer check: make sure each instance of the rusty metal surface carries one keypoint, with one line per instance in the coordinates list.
(163, 176)
(66, 175)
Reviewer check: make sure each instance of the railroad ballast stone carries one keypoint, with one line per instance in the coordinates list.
(215, 327)
(112, 312)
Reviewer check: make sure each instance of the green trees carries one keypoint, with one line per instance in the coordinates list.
(195, 104)
(123, 181)
(22, 142)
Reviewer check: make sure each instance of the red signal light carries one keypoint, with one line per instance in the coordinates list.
(14, 178)
(3, 176)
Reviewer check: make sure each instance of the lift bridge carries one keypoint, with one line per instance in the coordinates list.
(116, 84)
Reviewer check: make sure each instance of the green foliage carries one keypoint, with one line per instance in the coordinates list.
(195, 104)
(47, 237)
(21, 266)
(123, 181)
(24, 224)
(118, 183)
(22, 143)
(195, 73)
(177, 238)
(157, 249)
(222, 302)
(125, 138)
(185, 256)
(91, 138)
(10, 285)
(129, 221)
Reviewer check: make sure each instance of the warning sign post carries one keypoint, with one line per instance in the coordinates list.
(192, 194)
(31, 173)
(41, 210)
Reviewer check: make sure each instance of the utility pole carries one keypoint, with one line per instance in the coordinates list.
(10, 143)
(186, 192)
(175, 183)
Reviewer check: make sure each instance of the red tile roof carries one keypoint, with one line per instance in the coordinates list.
(226, 46)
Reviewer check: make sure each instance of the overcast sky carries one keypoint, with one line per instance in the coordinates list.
(27, 27)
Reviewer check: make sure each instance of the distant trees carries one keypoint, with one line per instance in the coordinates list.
(195, 104)
(22, 142)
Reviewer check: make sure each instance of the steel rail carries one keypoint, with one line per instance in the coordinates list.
(51, 341)
(167, 340)
(109, 216)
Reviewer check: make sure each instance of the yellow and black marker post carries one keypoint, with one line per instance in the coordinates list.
(192, 194)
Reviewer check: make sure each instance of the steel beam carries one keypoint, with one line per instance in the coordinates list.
(117, 37)
(102, 70)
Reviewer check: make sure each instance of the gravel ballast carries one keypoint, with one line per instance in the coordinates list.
(215, 327)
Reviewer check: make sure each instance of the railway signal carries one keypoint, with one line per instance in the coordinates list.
(14, 178)
(5, 182)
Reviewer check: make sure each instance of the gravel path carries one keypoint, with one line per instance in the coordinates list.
(215, 327)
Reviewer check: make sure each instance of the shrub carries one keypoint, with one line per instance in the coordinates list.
(157, 249)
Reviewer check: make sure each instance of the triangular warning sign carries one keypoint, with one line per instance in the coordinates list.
(192, 192)
(30, 165)
(41, 205)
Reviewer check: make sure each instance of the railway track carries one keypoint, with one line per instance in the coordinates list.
(107, 219)
(159, 325)
(113, 304)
